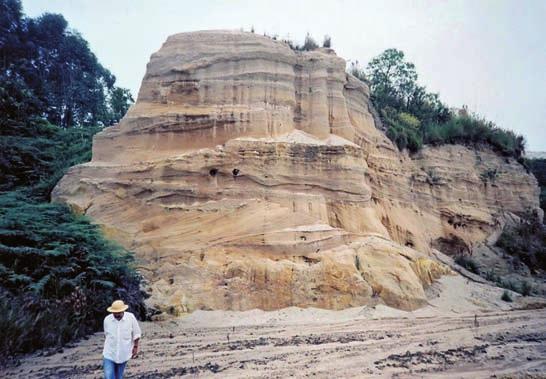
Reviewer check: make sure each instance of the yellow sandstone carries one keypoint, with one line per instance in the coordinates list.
(248, 175)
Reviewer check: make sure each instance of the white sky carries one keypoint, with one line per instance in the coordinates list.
(488, 54)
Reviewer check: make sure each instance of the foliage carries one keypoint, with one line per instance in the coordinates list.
(44, 60)
(471, 129)
(403, 129)
(404, 106)
(468, 263)
(523, 287)
(526, 289)
(526, 241)
(61, 272)
(327, 42)
(415, 117)
(506, 297)
(392, 79)
(489, 175)
(17, 101)
(309, 43)
(538, 168)
(120, 100)
(357, 71)
(36, 153)
(57, 272)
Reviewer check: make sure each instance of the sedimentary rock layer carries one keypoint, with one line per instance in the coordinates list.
(248, 175)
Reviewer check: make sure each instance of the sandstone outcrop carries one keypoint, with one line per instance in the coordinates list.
(248, 175)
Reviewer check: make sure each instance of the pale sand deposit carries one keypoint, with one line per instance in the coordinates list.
(440, 340)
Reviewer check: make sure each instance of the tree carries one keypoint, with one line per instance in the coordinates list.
(46, 61)
(415, 117)
(120, 101)
(426, 106)
(392, 79)
(74, 83)
(11, 29)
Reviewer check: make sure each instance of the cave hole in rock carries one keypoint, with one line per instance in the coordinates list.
(452, 245)
(213, 171)
(235, 172)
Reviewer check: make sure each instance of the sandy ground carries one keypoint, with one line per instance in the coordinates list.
(465, 332)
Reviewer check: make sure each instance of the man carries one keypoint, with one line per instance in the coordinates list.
(122, 337)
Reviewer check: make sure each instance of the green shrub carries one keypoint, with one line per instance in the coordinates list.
(492, 276)
(526, 241)
(357, 71)
(489, 175)
(538, 168)
(526, 288)
(409, 120)
(415, 117)
(510, 284)
(36, 153)
(506, 297)
(403, 129)
(407, 131)
(57, 273)
(473, 130)
(309, 43)
(523, 287)
(327, 42)
(468, 263)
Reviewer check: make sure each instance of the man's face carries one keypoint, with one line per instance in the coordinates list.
(118, 315)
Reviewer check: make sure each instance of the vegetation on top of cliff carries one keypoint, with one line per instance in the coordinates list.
(415, 117)
(57, 272)
(327, 41)
(308, 44)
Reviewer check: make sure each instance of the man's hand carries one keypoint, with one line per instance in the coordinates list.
(135, 349)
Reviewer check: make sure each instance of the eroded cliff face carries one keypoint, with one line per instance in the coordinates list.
(248, 175)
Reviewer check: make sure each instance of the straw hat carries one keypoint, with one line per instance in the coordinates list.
(117, 306)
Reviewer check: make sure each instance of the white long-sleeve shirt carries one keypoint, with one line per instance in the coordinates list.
(120, 336)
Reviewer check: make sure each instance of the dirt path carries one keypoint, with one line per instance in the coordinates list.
(503, 343)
